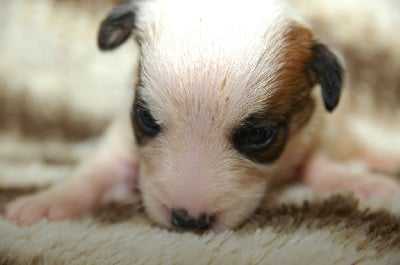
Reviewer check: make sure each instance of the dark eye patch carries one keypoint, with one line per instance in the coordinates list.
(146, 121)
(144, 124)
(252, 138)
(259, 140)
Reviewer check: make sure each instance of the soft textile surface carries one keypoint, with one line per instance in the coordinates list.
(333, 231)
(57, 92)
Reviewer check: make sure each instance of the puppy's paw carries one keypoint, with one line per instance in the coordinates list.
(325, 175)
(48, 205)
(374, 186)
(389, 164)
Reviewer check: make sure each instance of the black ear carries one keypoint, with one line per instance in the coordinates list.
(328, 72)
(116, 28)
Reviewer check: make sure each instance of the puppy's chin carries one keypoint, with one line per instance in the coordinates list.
(226, 219)
(230, 205)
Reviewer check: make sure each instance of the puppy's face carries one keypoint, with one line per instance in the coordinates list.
(221, 104)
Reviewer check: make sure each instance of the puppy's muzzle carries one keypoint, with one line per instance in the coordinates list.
(182, 220)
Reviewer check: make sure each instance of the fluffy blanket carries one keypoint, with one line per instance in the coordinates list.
(57, 93)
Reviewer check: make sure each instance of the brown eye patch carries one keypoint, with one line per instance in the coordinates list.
(259, 140)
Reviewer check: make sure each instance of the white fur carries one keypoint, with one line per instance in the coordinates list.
(190, 47)
(189, 50)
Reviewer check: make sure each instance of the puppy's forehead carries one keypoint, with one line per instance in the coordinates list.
(219, 60)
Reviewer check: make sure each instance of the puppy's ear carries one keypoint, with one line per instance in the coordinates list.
(328, 72)
(116, 28)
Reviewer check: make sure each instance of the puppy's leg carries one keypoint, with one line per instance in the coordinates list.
(326, 175)
(387, 163)
(113, 165)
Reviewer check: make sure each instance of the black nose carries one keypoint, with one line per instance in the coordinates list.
(181, 219)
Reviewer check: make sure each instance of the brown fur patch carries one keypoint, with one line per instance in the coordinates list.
(293, 77)
(290, 106)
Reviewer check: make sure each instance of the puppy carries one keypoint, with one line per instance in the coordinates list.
(232, 99)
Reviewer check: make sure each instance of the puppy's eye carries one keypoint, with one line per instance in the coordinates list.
(145, 121)
(251, 138)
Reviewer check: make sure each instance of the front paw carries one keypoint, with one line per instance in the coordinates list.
(375, 186)
(323, 174)
(50, 205)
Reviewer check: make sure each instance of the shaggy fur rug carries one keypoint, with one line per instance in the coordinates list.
(54, 104)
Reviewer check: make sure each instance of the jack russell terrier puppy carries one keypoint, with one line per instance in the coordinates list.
(231, 99)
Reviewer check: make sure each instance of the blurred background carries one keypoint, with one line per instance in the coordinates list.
(57, 90)
(52, 76)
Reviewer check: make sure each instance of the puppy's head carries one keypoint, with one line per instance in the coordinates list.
(223, 97)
